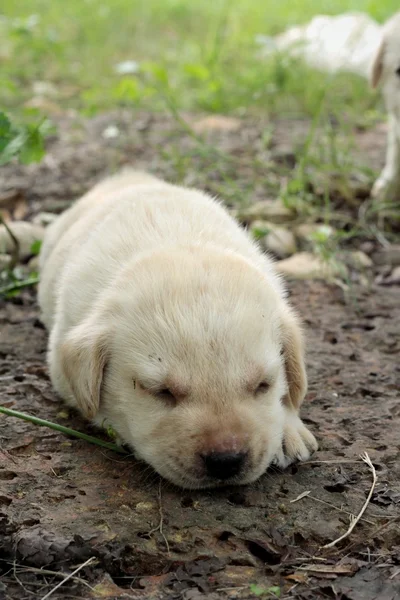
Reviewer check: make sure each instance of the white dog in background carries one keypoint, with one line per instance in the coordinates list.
(386, 72)
(353, 42)
(169, 324)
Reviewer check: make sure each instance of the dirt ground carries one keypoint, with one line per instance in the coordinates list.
(63, 501)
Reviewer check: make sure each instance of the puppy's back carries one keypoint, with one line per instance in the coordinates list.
(101, 193)
(74, 226)
(117, 221)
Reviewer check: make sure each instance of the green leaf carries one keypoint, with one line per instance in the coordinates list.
(197, 71)
(35, 248)
(5, 125)
(33, 149)
(12, 148)
(260, 232)
(25, 142)
(273, 592)
(126, 89)
(159, 72)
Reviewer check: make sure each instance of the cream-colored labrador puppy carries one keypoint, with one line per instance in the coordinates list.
(169, 324)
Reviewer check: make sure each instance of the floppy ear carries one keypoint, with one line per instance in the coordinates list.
(83, 359)
(293, 352)
(377, 66)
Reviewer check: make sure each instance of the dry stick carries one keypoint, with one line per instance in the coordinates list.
(87, 562)
(354, 520)
(395, 574)
(308, 495)
(20, 582)
(339, 509)
(16, 244)
(160, 525)
(22, 569)
(329, 462)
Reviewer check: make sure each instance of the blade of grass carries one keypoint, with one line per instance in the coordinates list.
(18, 285)
(62, 429)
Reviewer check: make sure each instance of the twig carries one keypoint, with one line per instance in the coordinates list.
(373, 533)
(18, 285)
(22, 569)
(395, 574)
(16, 245)
(300, 496)
(85, 564)
(62, 429)
(8, 455)
(307, 495)
(160, 525)
(355, 520)
(20, 582)
(339, 509)
(329, 462)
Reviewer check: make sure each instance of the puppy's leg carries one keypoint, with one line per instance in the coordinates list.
(387, 186)
(298, 442)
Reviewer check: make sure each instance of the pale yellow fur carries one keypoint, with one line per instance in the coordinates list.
(147, 285)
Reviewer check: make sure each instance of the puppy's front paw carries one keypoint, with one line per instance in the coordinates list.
(386, 187)
(298, 442)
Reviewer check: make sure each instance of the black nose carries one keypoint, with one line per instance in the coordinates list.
(223, 465)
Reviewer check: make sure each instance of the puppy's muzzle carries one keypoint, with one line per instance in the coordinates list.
(224, 465)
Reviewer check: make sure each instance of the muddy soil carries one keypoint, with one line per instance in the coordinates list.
(63, 501)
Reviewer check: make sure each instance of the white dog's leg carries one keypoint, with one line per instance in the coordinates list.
(298, 442)
(388, 184)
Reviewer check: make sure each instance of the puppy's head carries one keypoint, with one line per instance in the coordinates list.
(386, 64)
(202, 354)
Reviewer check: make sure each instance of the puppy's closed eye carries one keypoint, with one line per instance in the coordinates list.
(262, 388)
(166, 396)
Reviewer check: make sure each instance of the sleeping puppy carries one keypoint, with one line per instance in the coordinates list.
(169, 324)
(386, 71)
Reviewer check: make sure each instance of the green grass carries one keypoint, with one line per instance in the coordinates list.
(200, 55)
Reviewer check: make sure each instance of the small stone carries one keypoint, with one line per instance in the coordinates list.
(305, 265)
(395, 275)
(216, 123)
(268, 210)
(360, 260)
(45, 105)
(127, 67)
(387, 256)
(44, 218)
(5, 260)
(111, 132)
(145, 506)
(33, 264)
(274, 238)
(306, 231)
(44, 88)
(392, 279)
(26, 233)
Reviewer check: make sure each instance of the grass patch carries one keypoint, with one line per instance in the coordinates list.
(181, 55)
(199, 55)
